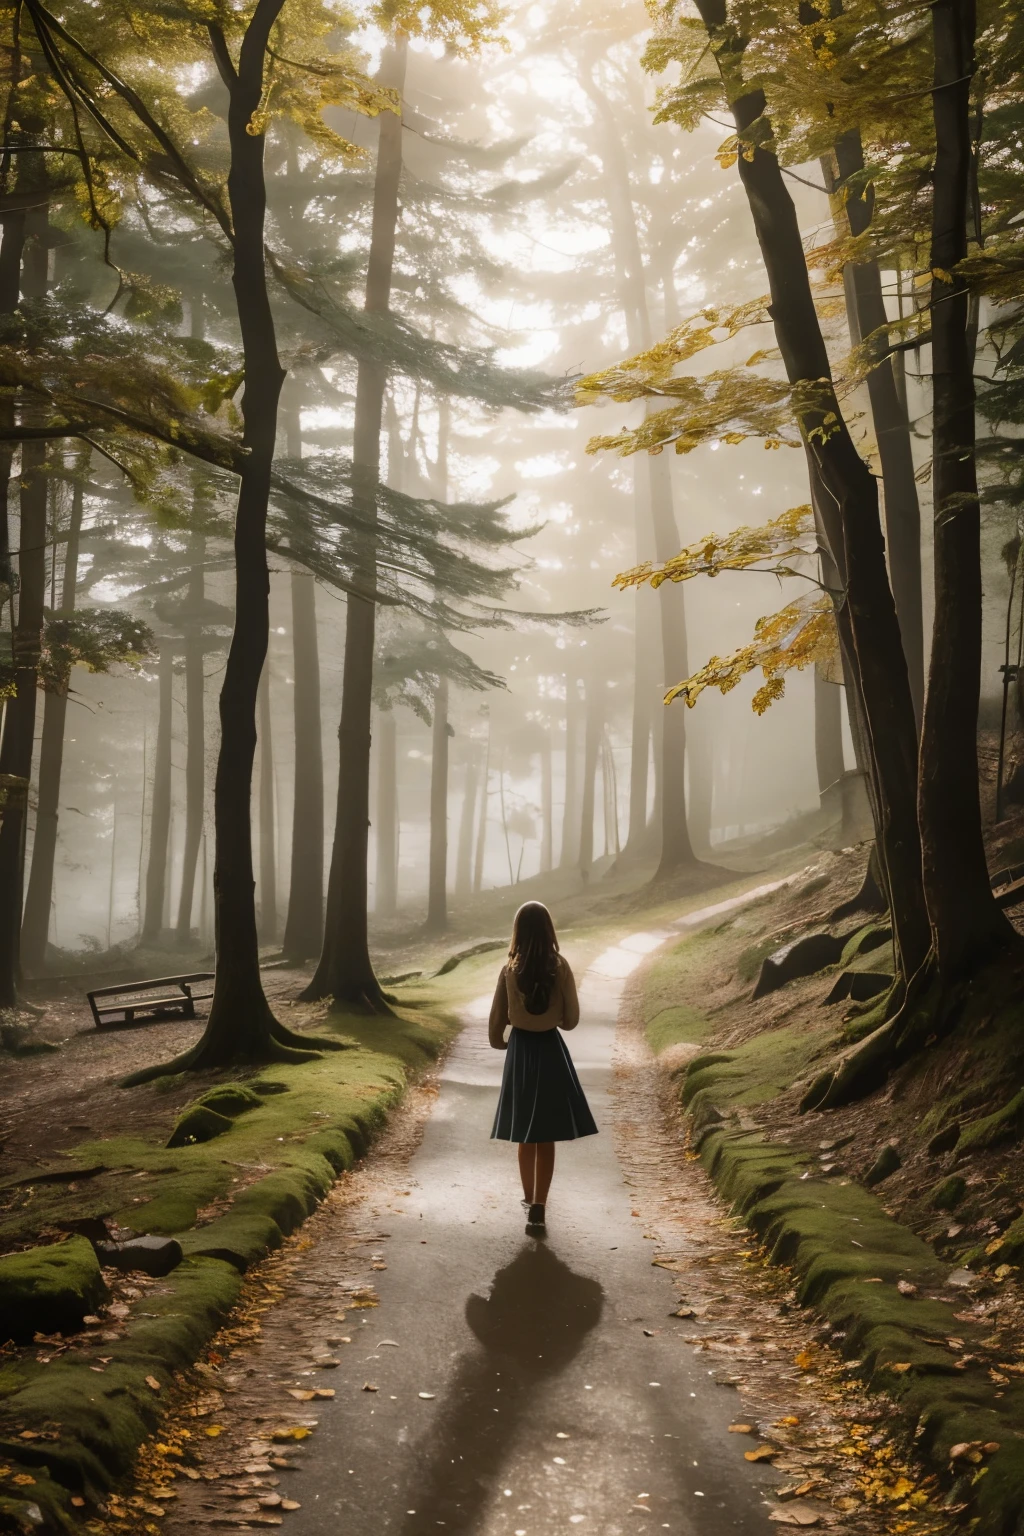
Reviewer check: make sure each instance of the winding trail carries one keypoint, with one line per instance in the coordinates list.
(503, 1386)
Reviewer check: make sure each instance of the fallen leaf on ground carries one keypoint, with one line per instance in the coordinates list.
(323, 1392)
(899, 1366)
(427, 1394)
(152, 1383)
(301, 1394)
(290, 1504)
(293, 1432)
(804, 1360)
(762, 1453)
(790, 1419)
(905, 1288)
(368, 1386)
(795, 1515)
(213, 1430)
(683, 1312)
(741, 1429)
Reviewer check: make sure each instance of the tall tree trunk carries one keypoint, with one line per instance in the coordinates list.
(546, 809)
(849, 505)
(345, 971)
(195, 728)
(437, 891)
(640, 738)
(268, 821)
(241, 1026)
(485, 806)
(828, 740)
(569, 856)
(16, 747)
(591, 751)
(467, 821)
(387, 814)
(701, 787)
(304, 928)
(967, 926)
(35, 926)
(160, 808)
(867, 314)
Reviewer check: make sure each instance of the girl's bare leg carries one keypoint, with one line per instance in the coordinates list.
(536, 1167)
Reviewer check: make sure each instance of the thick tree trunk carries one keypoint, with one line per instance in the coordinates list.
(304, 928)
(345, 971)
(594, 717)
(16, 748)
(35, 926)
(676, 848)
(160, 806)
(387, 814)
(268, 821)
(700, 798)
(437, 891)
(967, 925)
(467, 821)
(849, 508)
(195, 729)
(569, 856)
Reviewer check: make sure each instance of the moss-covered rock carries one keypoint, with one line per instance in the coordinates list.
(885, 1164)
(230, 1099)
(1007, 1124)
(947, 1195)
(49, 1290)
(198, 1123)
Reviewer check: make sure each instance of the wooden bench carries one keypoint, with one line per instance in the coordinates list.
(1008, 886)
(173, 998)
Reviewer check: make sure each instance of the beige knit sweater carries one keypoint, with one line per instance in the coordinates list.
(509, 1008)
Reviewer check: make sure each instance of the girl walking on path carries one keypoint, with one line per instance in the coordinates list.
(541, 1100)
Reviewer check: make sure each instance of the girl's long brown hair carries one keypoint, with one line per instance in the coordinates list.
(533, 955)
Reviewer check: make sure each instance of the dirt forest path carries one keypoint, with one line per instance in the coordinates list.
(479, 1381)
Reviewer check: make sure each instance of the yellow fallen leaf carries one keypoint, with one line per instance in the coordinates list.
(804, 1360)
(23, 1480)
(762, 1453)
(741, 1429)
(301, 1394)
(213, 1430)
(152, 1383)
(900, 1367)
(293, 1432)
(790, 1419)
(290, 1504)
(323, 1392)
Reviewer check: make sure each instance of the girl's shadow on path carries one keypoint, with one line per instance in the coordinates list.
(530, 1327)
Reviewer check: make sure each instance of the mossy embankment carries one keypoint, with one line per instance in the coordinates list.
(856, 1202)
(228, 1168)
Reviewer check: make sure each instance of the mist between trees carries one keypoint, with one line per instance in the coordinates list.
(318, 434)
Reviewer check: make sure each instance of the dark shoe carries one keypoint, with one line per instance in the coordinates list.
(535, 1219)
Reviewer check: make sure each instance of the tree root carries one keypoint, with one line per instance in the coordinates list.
(266, 1043)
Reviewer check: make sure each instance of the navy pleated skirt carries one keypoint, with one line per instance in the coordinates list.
(541, 1098)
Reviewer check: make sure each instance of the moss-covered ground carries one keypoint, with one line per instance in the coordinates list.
(916, 1277)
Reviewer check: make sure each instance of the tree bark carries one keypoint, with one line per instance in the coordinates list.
(967, 925)
(437, 891)
(546, 809)
(594, 718)
(195, 729)
(387, 814)
(867, 313)
(467, 821)
(849, 506)
(304, 928)
(828, 740)
(569, 856)
(160, 808)
(268, 821)
(700, 799)
(345, 971)
(35, 928)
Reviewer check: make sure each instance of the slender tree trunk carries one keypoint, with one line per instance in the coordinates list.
(467, 820)
(828, 740)
(485, 807)
(387, 814)
(849, 506)
(437, 895)
(867, 315)
(16, 747)
(304, 929)
(241, 1026)
(570, 850)
(546, 809)
(676, 847)
(640, 738)
(591, 750)
(195, 729)
(700, 786)
(268, 829)
(160, 807)
(345, 971)
(35, 927)
(967, 926)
